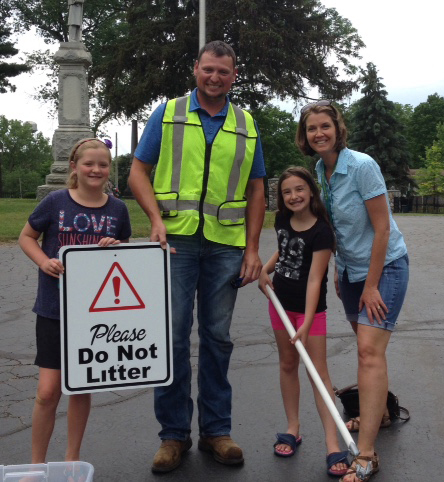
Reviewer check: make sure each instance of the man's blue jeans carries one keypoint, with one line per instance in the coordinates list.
(206, 267)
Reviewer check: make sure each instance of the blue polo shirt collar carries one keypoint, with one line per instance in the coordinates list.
(341, 164)
(194, 104)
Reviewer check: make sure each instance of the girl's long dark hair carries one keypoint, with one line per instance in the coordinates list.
(316, 205)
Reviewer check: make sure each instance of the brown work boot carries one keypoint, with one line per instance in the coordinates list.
(223, 449)
(169, 455)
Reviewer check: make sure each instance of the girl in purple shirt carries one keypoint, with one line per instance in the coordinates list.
(81, 214)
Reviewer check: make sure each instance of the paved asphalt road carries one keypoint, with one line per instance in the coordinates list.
(121, 437)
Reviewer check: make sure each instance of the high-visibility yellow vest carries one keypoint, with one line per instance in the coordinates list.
(196, 184)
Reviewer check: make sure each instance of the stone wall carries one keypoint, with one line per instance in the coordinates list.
(392, 194)
(272, 193)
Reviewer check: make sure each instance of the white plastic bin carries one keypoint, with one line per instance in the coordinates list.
(50, 472)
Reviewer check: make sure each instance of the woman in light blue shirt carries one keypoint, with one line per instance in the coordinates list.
(371, 264)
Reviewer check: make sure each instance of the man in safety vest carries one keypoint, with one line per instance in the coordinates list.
(207, 201)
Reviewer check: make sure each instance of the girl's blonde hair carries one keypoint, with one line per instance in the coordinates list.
(77, 152)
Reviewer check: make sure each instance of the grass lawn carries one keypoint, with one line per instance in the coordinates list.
(15, 212)
(13, 216)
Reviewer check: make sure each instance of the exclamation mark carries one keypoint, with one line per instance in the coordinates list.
(116, 284)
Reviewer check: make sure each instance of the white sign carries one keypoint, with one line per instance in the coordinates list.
(115, 314)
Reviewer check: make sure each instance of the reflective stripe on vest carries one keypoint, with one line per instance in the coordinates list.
(226, 214)
(180, 187)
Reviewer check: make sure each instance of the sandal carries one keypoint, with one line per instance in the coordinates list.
(355, 422)
(363, 473)
(286, 439)
(337, 458)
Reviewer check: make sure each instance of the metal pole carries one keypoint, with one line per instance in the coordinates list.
(33, 126)
(352, 448)
(202, 18)
(134, 136)
(1, 160)
(116, 183)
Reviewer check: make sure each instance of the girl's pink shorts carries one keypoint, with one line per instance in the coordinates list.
(318, 328)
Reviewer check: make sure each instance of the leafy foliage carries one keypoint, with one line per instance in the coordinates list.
(278, 131)
(103, 24)
(123, 164)
(282, 48)
(431, 178)
(7, 50)
(375, 130)
(403, 113)
(48, 93)
(422, 129)
(144, 51)
(25, 158)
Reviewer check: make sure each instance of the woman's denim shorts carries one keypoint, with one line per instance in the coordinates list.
(392, 287)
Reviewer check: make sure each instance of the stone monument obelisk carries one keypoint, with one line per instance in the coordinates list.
(73, 110)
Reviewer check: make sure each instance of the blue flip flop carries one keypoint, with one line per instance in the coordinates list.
(287, 439)
(337, 458)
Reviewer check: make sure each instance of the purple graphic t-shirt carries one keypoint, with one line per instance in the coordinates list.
(64, 222)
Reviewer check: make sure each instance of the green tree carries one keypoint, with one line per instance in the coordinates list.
(422, 130)
(347, 111)
(282, 47)
(123, 164)
(376, 131)
(25, 158)
(144, 51)
(403, 112)
(7, 50)
(278, 131)
(431, 178)
(103, 23)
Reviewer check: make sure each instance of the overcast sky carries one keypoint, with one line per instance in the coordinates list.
(403, 39)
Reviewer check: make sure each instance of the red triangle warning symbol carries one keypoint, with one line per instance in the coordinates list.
(116, 293)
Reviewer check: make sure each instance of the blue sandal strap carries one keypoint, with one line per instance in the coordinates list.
(336, 458)
(288, 439)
